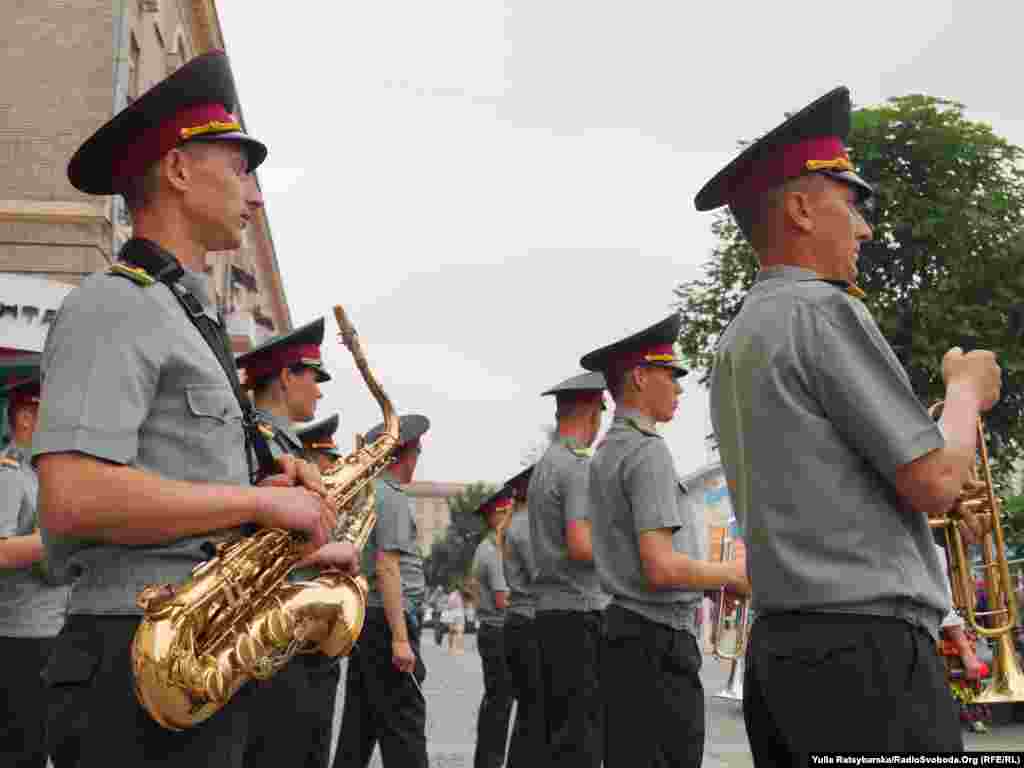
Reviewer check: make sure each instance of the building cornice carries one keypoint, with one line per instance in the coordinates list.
(64, 212)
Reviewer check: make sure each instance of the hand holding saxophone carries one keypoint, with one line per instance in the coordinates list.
(302, 473)
(297, 474)
(976, 372)
(297, 509)
(339, 556)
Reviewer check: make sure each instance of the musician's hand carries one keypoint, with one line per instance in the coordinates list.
(973, 528)
(298, 471)
(737, 582)
(974, 669)
(977, 370)
(337, 556)
(402, 656)
(296, 509)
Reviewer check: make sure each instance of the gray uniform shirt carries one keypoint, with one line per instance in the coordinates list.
(557, 494)
(128, 379)
(814, 414)
(490, 576)
(634, 488)
(29, 605)
(518, 564)
(395, 531)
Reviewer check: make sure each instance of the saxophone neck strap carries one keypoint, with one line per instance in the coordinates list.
(163, 267)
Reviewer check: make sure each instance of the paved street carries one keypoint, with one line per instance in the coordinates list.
(454, 686)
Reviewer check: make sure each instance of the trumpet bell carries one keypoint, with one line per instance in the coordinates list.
(733, 690)
(1007, 683)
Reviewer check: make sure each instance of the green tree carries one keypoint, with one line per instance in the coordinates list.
(451, 554)
(1013, 509)
(944, 268)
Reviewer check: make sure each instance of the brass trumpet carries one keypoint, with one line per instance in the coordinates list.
(978, 499)
(735, 653)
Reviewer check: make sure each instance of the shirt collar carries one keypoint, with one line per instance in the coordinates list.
(634, 417)
(786, 272)
(791, 274)
(568, 441)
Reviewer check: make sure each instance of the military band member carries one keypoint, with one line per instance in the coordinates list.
(318, 440)
(522, 648)
(383, 699)
(31, 608)
(489, 575)
(570, 601)
(141, 444)
(833, 464)
(650, 551)
(284, 375)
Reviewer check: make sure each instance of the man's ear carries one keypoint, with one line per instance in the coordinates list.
(176, 170)
(638, 375)
(798, 206)
(284, 378)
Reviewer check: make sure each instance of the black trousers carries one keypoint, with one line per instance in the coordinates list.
(94, 719)
(496, 705)
(844, 683)
(23, 701)
(381, 703)
(522, 653)
(653, 697)
(570, 655)
(293, 714)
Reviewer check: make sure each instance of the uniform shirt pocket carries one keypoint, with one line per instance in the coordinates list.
(212, 407)
(215, 435)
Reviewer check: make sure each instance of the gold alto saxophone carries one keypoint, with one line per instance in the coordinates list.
(237, 618)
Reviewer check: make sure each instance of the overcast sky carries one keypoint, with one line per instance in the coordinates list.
(493, 189)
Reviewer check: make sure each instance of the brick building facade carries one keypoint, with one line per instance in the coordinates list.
(430, 505)
(70, 66)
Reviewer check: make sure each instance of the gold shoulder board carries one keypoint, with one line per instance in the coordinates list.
(136, 274)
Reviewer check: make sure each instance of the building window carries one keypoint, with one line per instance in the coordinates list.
(133, 69)
(177, 55)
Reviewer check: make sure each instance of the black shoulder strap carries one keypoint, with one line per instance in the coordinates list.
(164, 268)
